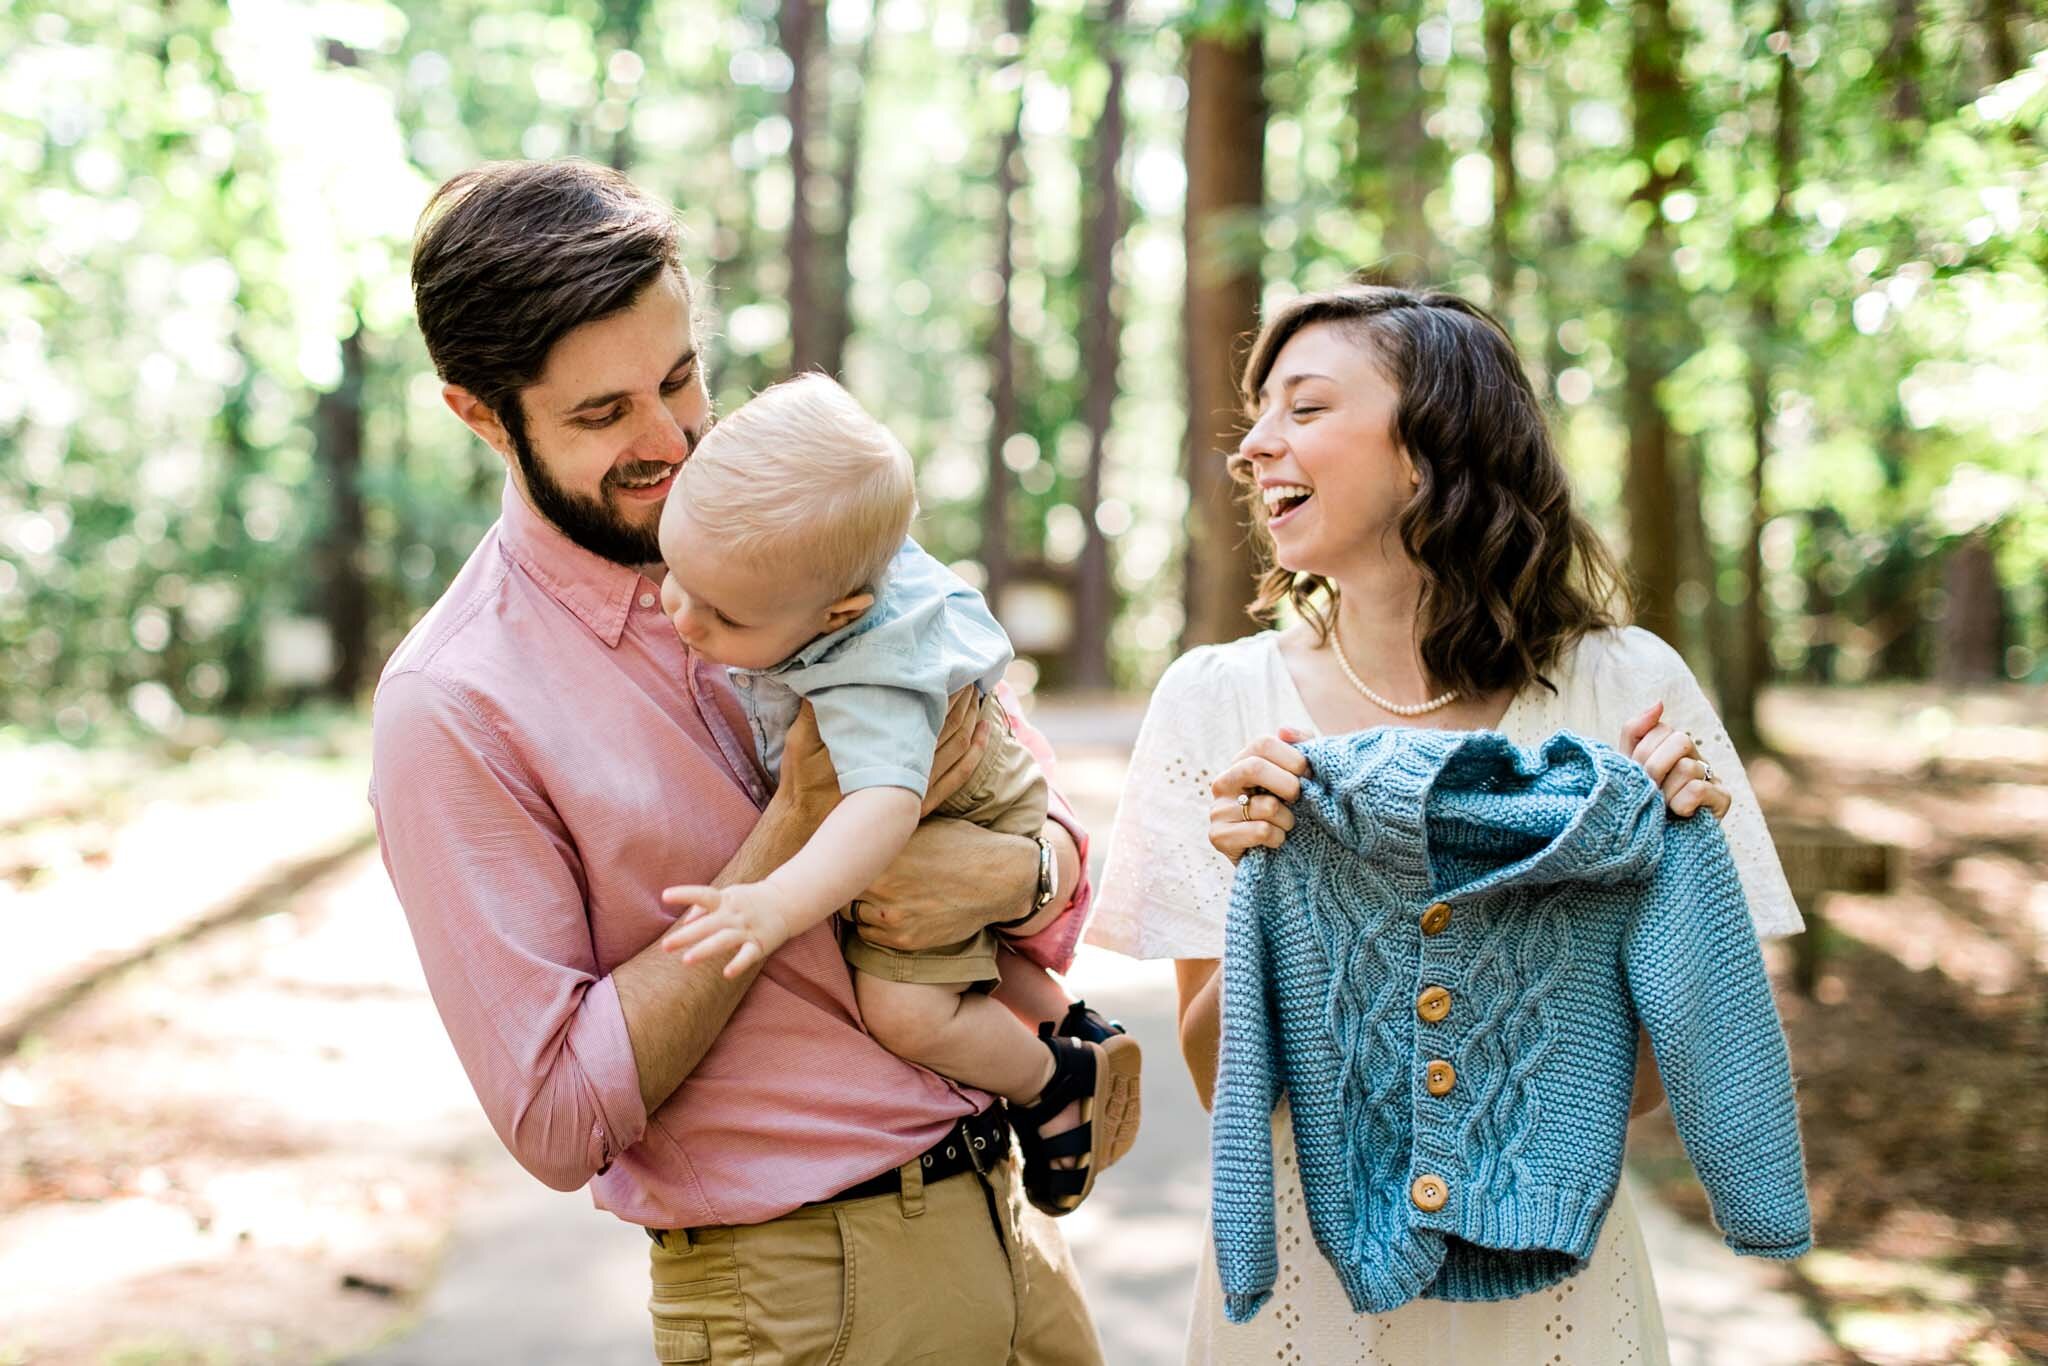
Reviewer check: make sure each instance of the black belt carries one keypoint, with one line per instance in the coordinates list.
(976, 1143)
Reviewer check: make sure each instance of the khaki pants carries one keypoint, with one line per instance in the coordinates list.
(1005, 793)
(889, 1280)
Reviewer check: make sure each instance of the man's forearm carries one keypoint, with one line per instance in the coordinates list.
(675, 1010)
(1066, 857)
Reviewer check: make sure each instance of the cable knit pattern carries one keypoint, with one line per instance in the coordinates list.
(1576, 910)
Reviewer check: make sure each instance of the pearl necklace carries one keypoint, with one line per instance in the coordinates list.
(1419, 709)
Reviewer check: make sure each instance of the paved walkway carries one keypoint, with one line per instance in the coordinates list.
(534, 1278)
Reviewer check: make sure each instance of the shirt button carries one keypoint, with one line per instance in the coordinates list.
(1440, 1077)
(1429, 1193)
(1433, 1004)
(743, 681)
(1435, 918)
(647, 599)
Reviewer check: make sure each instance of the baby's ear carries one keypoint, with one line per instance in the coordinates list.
(847, 610)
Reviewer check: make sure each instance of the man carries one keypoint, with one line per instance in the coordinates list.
(549, 756)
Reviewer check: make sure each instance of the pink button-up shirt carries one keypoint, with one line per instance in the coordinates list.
(548, 757)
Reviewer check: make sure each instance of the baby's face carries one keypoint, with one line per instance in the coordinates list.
(732, 612)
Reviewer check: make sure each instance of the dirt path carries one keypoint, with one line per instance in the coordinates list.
(254, 1148)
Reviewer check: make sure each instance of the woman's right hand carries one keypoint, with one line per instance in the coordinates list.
(1268, 771)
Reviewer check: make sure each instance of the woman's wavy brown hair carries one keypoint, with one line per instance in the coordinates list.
(1512, 576)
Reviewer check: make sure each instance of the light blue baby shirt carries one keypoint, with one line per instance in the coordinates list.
(880, 685)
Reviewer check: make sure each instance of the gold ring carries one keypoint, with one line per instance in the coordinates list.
(1244, 806)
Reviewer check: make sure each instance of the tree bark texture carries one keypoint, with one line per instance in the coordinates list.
(1395, 162)
(835, 307)
(1226, 164)
(1648, 323)
(1500, 79)
(1752, 663)
(995, 502)
(342, 586)
(1973, 625)
(1101, 347)
(796, 33)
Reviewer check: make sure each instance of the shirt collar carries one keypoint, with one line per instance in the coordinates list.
(599, 592)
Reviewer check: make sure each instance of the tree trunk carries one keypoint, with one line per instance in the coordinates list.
(2000, 53)
(1395, 162)
(342, 587)
(1973, 624)
(1101, 346)
(995, 501)
(836, 304)
(1500, 76)
(1902, 67)
(1226, 162)
(796, 31)
(623, 20)
(1752, 656)
(1647, 309)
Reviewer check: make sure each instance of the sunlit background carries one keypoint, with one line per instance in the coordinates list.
(1778, 265)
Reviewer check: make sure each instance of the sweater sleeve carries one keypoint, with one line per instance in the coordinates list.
(1696, 978)
(1247, 1089)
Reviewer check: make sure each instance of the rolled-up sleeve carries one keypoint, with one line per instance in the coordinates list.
(493, 891)
(1053, 947)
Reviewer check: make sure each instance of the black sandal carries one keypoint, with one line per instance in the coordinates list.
(1103, 1077)
(1082, 1022)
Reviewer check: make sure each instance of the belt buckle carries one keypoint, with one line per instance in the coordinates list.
(981, 1149)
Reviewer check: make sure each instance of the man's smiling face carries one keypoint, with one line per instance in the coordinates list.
(618, 407)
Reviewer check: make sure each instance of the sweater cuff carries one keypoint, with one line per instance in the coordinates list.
(1782, 1254)
(1240, 1306)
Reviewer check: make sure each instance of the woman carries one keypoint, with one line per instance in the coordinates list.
(1415, 516)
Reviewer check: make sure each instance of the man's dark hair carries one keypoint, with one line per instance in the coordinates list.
(513, 255)
(1512, 575)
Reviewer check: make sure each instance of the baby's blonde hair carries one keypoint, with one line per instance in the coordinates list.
(801, 477)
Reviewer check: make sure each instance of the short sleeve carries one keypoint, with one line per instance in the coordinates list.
(878, 736)
(1165, 890)
(1643, 669)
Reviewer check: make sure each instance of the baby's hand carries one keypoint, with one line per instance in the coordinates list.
(741, 921)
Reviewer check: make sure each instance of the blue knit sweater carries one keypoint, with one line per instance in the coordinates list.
(1443, 968)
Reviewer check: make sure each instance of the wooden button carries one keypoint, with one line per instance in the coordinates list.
(1433, 1004)
(1429, 1193)
(1436, 918)
(1440, 1077)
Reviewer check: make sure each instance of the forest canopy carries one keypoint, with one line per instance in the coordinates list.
(1778, 265)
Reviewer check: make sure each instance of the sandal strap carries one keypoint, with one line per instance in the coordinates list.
(1083, 1022)
(1062, 1183)
(1073, 1078)
(1075, 1142)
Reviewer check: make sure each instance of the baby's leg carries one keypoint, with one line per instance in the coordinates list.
(1032, 994)
(965, 1035)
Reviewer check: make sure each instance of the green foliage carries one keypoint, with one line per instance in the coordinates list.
(204, 199)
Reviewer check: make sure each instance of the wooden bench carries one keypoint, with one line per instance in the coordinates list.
(1820, 860)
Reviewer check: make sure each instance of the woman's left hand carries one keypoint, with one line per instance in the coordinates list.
(1675, 764)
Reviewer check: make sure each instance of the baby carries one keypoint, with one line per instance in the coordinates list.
(786, 537)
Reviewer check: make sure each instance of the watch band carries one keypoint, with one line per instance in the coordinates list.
(1048, 885)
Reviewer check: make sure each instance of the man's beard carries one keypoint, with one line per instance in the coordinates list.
(590, 522)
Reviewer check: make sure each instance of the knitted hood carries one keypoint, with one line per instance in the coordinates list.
(1445, 969)
(1485, 814)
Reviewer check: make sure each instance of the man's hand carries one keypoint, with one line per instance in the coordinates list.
(742, 922)
(808, 789)
(963, 739)
(952, 879)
